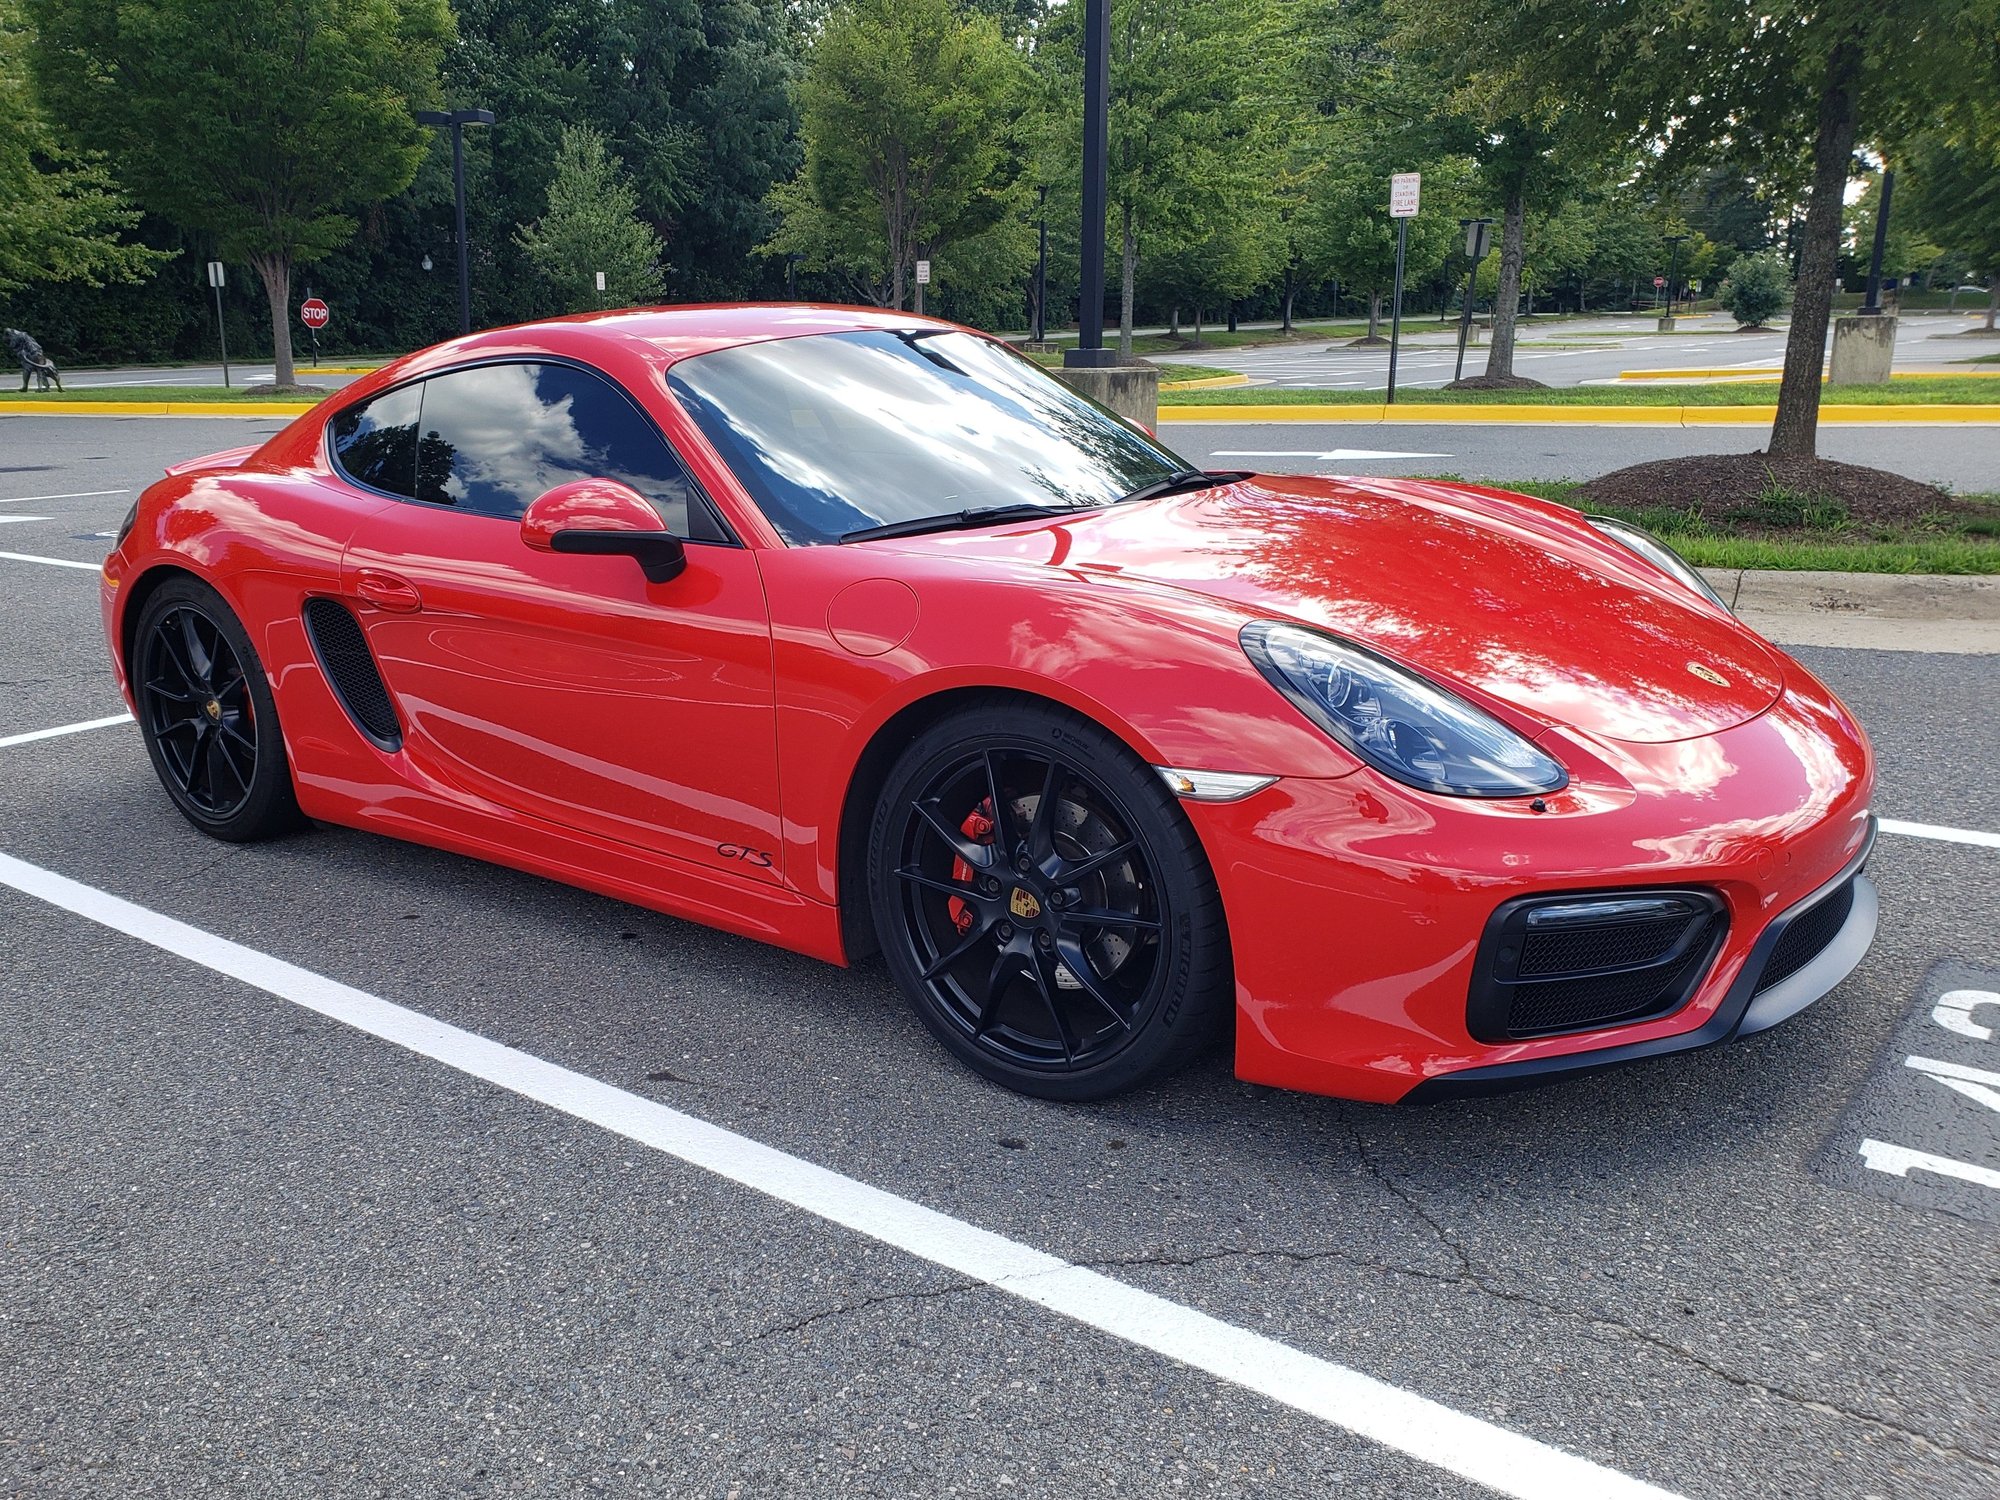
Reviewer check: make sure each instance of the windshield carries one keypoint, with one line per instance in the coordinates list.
(834, 433)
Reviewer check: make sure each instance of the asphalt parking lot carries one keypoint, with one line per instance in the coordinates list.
(377, 1175)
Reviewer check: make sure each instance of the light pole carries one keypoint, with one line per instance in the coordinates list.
(1042, 265)
(1090, 350)
(457, 119)
(1872, 308)
(1674, 242)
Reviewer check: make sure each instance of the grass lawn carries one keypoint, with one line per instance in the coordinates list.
(1941, 544)
(1946, 390)
(149, 393)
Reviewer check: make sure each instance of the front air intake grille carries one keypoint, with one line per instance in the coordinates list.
(1806, 936)
(1554, 964)
(350, 666)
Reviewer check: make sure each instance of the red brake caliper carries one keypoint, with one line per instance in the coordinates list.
(978, 826)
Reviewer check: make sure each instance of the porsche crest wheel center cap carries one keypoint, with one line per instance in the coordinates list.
(1024, 905)
(213, 708)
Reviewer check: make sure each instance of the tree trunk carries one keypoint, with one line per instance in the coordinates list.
(1174, 323)
(1992, 301)
(1795, 433)
(1374, 316)
(1128, 274)
(896, 283)
(1290, 290)
(1507, 295)
(275, 270)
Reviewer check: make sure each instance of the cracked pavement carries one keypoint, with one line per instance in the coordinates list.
(245, 1251)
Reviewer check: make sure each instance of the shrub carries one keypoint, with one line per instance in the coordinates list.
(1758, 286)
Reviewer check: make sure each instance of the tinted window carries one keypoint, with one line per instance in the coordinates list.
(376, 442)
(834, 432)
(496, 437)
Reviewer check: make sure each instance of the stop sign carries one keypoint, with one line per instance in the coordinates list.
(314, 313)
(1657, 281)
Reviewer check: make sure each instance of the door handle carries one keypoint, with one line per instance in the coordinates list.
(387, 591)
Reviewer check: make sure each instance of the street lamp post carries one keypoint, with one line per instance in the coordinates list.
(1042, 266)
(1872, 308)
(1090, 350)
(458, 119)
(1673, 269)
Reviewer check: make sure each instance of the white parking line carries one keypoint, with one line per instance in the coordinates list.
(72, 495)
(1944, 835)
(54, 562)
(1411, 1424)
(4, 520)
(62, 729)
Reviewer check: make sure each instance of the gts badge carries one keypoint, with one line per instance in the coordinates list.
(745, 855)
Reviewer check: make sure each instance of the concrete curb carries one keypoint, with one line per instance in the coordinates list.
(1436, 414)
(1959, 615)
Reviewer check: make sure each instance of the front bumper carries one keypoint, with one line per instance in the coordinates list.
(1744, 1011)
(1356, 907)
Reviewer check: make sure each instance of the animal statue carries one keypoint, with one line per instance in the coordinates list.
(35, 365)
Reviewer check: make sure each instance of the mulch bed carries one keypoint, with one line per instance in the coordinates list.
(1731, 489)
(1496, 383)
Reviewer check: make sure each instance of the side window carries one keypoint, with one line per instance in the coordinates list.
(495, 437)
(375, 443)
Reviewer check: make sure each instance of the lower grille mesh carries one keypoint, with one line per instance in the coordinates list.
(1805, 937)
(1568, 962)
(350, 666)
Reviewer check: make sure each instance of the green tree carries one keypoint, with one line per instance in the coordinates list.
(1697, 83)
(1758, 288)
(268, 124)
(592, 225)
(61, 215)
(1954, 196)
(907, 112)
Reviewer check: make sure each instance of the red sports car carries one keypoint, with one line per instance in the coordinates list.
(849, 630)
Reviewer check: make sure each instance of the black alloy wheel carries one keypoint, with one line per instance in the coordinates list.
(206, 714)
(1042, 901)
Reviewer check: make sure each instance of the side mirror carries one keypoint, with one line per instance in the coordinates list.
(603, 517)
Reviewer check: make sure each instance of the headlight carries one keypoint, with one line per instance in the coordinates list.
(1638, 539)
(1399, 723)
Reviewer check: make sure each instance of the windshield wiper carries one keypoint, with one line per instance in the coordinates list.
(1184, 479)
(982, 515)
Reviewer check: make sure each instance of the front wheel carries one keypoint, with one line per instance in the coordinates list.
(1045, 905)
(206, 714)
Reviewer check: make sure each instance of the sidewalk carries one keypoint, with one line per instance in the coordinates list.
(1871, 611)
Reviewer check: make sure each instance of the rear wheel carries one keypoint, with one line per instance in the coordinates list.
(206, 714)
(1045, 905)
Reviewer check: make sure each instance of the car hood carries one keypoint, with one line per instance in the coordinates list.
(1475, 588)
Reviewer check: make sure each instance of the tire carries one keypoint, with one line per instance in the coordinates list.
(1091, 957)
(206, 714)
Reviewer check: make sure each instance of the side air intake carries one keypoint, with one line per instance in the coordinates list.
(350, 666)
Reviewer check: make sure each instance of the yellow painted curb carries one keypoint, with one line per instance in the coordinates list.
(1206, 383)
(1588, 416)
(156, 408)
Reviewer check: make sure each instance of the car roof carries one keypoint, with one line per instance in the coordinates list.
(698, 328)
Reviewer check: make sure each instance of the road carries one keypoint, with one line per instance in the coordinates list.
(1599, 350)
(1961, 457)
(251, 1250)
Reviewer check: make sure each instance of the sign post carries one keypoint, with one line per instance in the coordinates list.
(1478, 240)
(1404, 188)
(923, 280)
(221, 336)
(314, 314)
